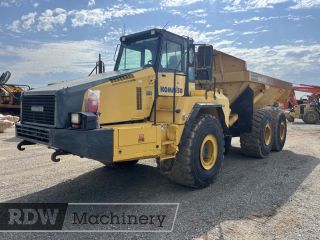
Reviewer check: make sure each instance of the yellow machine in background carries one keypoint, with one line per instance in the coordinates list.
(167, 98)
(309, 112)
(10, 95)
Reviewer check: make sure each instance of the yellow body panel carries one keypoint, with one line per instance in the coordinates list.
(136, 141)
(116, 95)
(119, 103)
(186, 104)
(166, 86)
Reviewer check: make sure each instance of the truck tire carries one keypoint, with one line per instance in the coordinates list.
(311, 117)
(258, 143)
(279, 129)
(120, 165)
(200, 153)
(227, 144)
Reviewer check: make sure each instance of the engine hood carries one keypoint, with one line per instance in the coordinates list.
(81, 83)
(69, 94)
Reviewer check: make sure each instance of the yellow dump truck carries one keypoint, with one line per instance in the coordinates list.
(168, 99)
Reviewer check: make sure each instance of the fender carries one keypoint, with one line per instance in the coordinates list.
(200, 108)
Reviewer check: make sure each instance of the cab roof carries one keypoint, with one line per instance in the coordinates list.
(153, 32)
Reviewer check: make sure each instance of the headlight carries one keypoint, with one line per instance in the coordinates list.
(84, 121)
(75, 118)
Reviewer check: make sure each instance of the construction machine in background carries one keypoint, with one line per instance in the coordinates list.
(10, 95)
(307, 108)
(167, 98)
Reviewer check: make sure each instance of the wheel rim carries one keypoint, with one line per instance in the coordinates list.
(209, 152)
(267, 134)
(282, 130)
(312, 117)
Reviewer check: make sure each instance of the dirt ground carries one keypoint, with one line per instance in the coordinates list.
(274, 198)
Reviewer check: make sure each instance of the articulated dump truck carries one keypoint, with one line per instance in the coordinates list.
(168, 99)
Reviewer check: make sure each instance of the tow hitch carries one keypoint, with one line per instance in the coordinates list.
(24, 143)
(54, 156)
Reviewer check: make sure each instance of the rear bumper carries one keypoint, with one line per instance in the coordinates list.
(96, 144)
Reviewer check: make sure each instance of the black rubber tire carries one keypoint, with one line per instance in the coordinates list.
(187, 169)
(121, 165)
(253, 144)
(227, 144)
(278, 117)
(311, 117)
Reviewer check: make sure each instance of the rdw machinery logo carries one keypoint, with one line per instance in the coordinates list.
(32, 216)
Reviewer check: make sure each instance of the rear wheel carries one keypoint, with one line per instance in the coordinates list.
(311, 117)
(120, 165)
(258, 143)
(200, 154)
(280, 130)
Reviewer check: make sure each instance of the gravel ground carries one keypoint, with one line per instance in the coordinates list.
(274, 198)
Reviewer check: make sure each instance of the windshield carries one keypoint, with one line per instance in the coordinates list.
(137, 54)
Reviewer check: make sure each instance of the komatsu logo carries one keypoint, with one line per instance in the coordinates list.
(170, 90)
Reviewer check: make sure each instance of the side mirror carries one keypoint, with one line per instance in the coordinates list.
(204, 62)
(204, 57)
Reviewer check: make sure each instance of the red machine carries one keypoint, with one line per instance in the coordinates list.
(292, 101)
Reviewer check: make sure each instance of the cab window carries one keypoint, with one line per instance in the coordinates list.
(131, 59)
(171, 56)
(137, 54)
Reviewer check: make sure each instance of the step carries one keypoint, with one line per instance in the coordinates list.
(166, 157)
(168, 110)
(167, 142)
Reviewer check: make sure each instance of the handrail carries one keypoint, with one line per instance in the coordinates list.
(174, 87)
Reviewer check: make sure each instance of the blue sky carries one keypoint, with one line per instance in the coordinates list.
(47, 41)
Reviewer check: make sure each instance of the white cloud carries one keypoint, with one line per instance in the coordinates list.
(221, 43)
(260, 19)
(302, 4)
(35, 5)
(244, 5)
(177, 3)
(198, 13)
(88, 17)
(99, 16)
(28, 20)
(91, 3)
(278, 60)
(25, 23)
(203, 21)
(175, 12)
(49, 19)
(40, 59)
(255, 32)
(8, 3)
(198, 36)
(15, 26)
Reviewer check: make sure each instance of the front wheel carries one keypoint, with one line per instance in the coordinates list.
(200, 154)
(311, 117)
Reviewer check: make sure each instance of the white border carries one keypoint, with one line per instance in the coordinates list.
(108, 231)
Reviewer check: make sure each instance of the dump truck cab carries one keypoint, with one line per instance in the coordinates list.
(163, 100)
